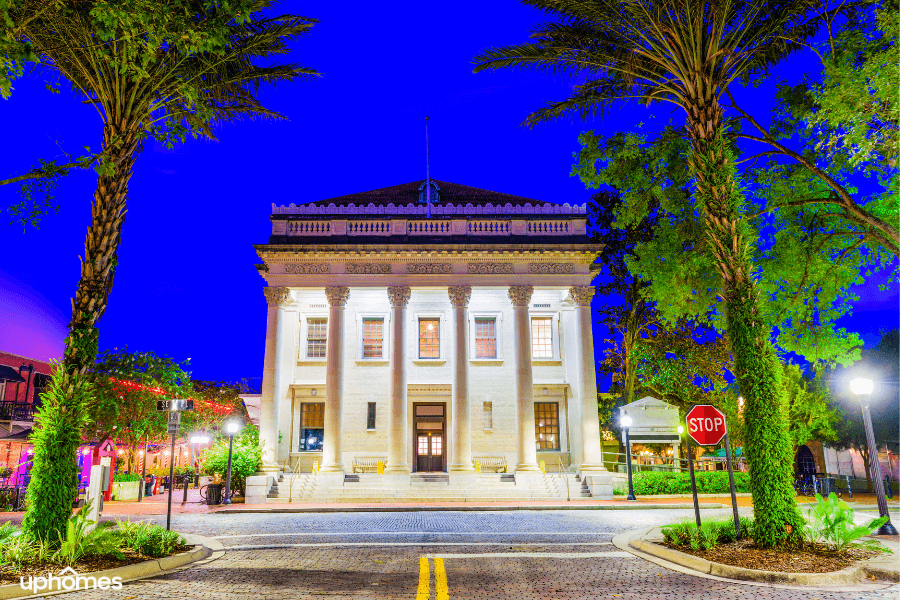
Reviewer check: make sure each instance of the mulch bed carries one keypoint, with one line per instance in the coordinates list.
(84, 566)
(812, 558)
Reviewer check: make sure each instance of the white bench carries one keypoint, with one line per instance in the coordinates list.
(491, 463)
(367, 464)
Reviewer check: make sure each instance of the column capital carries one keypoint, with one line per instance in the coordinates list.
(399, 295)
(582, 294)
(459, 294)
(278, 296)
(337, 296)
(520, 294)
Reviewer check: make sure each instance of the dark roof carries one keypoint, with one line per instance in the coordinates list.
(10, 374)
(408, 193)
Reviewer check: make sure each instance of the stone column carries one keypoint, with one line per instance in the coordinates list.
(332, 470)
(283, 405)
(461, 470)
(397, 469)
(276, 298)
(591, 464)
(526, 467)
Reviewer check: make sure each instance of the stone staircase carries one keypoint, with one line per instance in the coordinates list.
(427, 487)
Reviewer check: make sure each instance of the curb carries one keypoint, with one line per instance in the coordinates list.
(883, 567)
(461, 508)
(205, 550)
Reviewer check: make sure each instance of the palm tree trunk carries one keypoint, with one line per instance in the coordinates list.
(100, 250)
(777, 519)
(57, 433)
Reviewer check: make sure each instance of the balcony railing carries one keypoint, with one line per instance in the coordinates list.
(16, 411)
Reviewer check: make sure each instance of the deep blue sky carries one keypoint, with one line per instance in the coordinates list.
(186, 286)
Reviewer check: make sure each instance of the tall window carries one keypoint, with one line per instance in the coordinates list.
(370, 417)
(486, 337)
(373, 338)
(429, 338)
(546, 425)
(541, 337)
(316, 336)
(312, 426)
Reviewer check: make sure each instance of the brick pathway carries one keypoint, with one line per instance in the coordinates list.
(528, 555)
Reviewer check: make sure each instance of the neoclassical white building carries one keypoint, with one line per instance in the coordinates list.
(429, 336)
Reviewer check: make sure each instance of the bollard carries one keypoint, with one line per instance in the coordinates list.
(184, 482)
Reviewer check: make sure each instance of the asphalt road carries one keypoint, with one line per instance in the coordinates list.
(439, 555)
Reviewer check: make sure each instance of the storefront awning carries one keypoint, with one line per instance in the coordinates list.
(10, 374)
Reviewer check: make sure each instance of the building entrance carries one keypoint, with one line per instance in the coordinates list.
(430, 437)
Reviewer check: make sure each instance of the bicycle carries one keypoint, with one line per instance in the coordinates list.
(804, 487)
(204, 492)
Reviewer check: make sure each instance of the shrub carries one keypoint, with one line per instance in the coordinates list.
(245, 459)
(126, 477)
(831, 521)
(81, 540)
(649, 483)
(149, 539)
(56, 437)
(711, 533)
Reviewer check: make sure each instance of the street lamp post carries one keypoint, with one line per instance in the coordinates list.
(231, 428)
(862, 388)
(196, 441)
(625, 422)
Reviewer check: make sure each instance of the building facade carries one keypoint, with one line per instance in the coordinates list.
(432, 329)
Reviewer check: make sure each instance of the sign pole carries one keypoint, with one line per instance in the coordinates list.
(171, 481)
(734, 508)
(690, 453)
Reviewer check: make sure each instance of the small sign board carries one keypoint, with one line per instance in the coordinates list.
(653, 422)
(175, 404)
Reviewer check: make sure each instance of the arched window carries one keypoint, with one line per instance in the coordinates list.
(435, 194)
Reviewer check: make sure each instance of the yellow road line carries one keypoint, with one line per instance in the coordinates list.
(424, 591)
(441, 591)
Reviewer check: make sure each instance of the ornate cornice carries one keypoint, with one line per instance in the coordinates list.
(480, 268)
(399, 295)
(306, 269)
(582, 294)
(551, 268)
(520, 294)
(459, 295)
(278, 296)
(337, 296)
(429, 268)
(368, 268)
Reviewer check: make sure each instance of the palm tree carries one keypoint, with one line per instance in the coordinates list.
(687, 54)
(151, 69)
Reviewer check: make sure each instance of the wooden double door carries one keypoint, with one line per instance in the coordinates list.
(430, 443)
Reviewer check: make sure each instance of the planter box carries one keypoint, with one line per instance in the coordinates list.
(125, 490)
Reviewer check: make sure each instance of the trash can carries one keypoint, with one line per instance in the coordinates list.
(214, 494)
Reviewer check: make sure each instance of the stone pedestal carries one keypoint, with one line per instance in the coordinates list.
(600, 483)
(256, 488)
(464, 478)
(331, 478)
(528, 476)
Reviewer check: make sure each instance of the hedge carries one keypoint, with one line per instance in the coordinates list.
(648, 483)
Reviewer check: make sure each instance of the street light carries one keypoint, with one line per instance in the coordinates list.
(195, 441)
(231, 428)
(625, 421)
(862, 388)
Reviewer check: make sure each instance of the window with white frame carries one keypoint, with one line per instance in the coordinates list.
(542, 337)
(316, 337)
(373, 337)
(485, 337)
(429, 337)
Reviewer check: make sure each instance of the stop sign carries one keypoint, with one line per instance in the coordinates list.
(706, 424)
